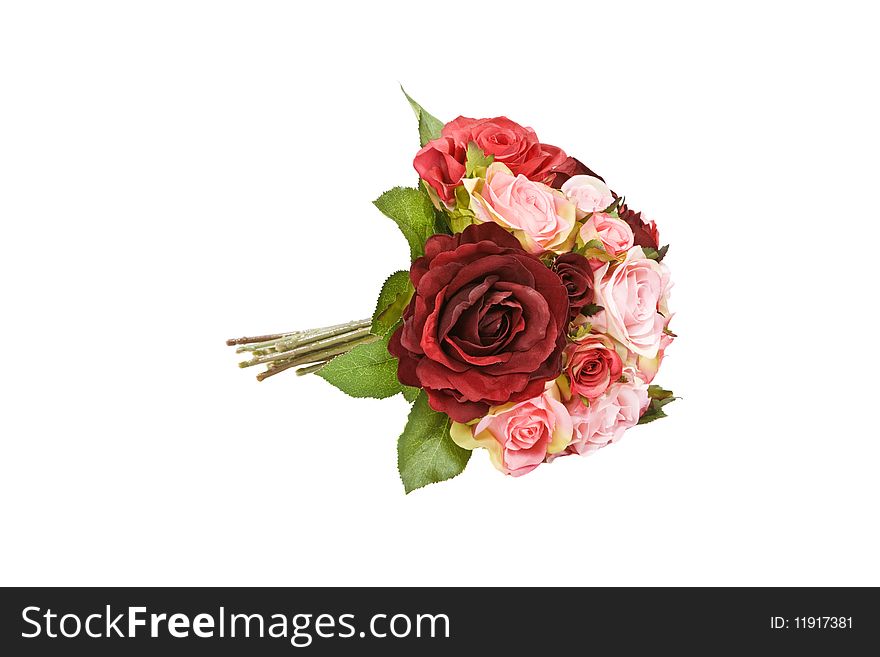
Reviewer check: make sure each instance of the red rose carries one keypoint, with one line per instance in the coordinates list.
(577, 277)
(592, 366)
(440, 163)
(508, 142)
(644, 233)
(485, 326)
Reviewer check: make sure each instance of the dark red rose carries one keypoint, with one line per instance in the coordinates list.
(486, 325)
(568, 168)
(508, 142)
(644, 233)
(577, 276)
(440, 163)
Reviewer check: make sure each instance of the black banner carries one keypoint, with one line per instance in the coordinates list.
(334, 621)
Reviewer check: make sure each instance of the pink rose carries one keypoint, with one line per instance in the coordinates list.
(519, 437)
(440, 163)
(646, 368)
(540, 217)
(634, 295)
(615, 234)
(588, 193)
(509, 143)
(605, 419)
(592, 365)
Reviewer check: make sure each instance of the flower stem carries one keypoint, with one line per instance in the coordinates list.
(313, 348)
(309, 348)
(231, 342)
(296, 338)
(314, 357)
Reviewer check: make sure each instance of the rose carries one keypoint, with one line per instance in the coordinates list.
(606, 419)
(588, 193)
(646, 368)
(509, 143)
(592, 365)
(644, 233)
(634, 295)
(540, 217)
(485, 326)
(440, 163)
(519, 437)
(615, 234)
(577, 276)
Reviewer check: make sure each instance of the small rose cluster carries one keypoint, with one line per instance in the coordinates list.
(539, 324)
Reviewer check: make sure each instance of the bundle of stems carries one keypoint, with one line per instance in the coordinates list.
(311, 349)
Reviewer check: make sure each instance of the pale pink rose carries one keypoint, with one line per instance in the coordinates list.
(540, 217)
(615, 234)
(634, 295)
(519, 437)
(646, 368)
(606, 419)
(588, 193)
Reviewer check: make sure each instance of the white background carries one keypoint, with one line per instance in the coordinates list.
(176, 173)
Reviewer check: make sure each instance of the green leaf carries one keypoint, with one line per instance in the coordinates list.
(413, 212)
(598, 254)
(591, 309)
(616, 203)
(652, 413)
(426, 453)
(429, 126)
(476, 161)
(581, 331)
(393, 299)
(368, 370)
(659, 398)
(657, 392)
(654, 254)
(410, 393)
(596, 250)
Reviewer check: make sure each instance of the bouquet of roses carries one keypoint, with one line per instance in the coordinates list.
(531, 322)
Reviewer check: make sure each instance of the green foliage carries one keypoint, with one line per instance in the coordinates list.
(580, 332)
(368, 370)
(477, 161)
(393, 299)
(615, 204)
(596, 250)
(413, 212)
(460, 216)
(654, 254)
(429, 126)
(426, 453)
(659, 398)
